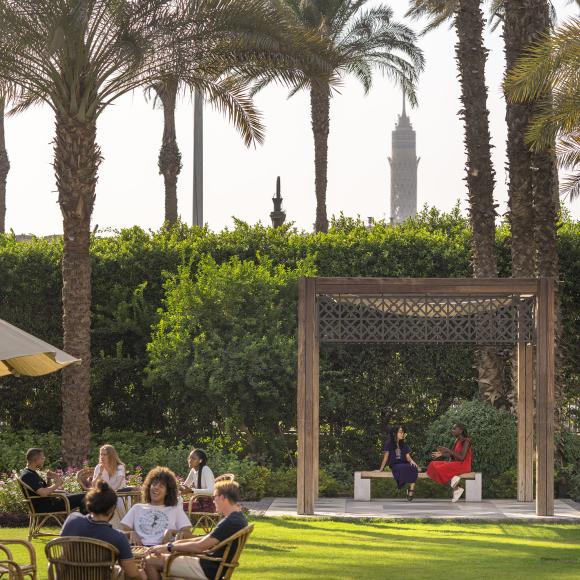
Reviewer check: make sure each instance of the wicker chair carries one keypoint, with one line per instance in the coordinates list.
(39, 519)
(205, 521)
(228, 562)
(85, 477)
(129, 497)
(76, 558)
(9, 568)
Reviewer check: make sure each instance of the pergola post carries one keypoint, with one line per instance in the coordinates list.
(308, 397)
(525, 414)
(545, 355)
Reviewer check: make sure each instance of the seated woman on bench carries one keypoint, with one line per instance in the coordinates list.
(460, 457)
(398, 456)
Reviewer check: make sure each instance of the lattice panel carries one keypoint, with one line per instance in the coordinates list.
(424, 319)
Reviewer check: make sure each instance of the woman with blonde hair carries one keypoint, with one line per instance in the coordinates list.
(110, 469)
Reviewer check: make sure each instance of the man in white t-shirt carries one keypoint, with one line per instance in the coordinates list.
(160, 518)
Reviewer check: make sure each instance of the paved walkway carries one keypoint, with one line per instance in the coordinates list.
(501, 509)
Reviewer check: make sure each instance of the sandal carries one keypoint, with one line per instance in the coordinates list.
(410, 493)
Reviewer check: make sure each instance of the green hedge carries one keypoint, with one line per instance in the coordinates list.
(234, 374)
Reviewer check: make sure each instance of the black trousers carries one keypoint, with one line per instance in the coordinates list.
(45, 505)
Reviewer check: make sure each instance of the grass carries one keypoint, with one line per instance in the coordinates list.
(292, 548)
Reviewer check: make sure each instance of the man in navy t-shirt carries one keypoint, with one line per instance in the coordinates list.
(101, 504)
(41, 490)
(226, 496)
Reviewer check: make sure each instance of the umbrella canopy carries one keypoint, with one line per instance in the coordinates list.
(24, 354)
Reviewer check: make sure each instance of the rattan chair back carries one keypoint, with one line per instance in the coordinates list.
(28, 494)
(41, 519)
(9, 568)
(77, 558)
(84, 477)
(228, 562)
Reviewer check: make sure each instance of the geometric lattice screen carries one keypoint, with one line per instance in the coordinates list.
(350, 318)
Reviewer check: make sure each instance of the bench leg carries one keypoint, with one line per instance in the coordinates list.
(473, 488)
(362, 488)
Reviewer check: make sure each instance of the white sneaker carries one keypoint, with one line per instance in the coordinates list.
(457, 494)
(455, 481)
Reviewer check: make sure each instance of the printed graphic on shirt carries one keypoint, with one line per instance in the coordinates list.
(152, 523)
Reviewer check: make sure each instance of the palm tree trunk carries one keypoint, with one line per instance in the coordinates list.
(320, 113)
(471, 56)
(532, 201)
(76, 161)
(518, 33)
(546, 206)
(545, 180)
(169, 156)
(4, 168)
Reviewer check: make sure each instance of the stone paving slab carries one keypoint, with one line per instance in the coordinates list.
(437, 509)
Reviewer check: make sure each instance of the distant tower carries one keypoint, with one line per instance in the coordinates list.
(277, 216)
(403, 170)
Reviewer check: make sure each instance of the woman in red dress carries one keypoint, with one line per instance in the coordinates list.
(459, 461)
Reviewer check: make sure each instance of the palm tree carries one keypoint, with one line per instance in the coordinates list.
(532, 206)
(6, 94)
(169, 156)
(547, 75)
(471, 55)
(248, 38)
(4, 166)
(79, 56)
(551, 67)
(357, 41)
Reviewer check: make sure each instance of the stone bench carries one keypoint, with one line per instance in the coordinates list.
(362, 484)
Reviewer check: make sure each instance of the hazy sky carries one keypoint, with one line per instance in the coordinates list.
(240, 182)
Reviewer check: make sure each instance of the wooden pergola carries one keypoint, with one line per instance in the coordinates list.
(498, 311)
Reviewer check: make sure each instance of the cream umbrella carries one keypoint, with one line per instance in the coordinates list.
(24, 354)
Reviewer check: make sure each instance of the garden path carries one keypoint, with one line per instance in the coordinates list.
(436, 509)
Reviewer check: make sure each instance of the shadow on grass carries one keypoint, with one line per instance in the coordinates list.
(564, 531)
(264, 548)
(362, 538)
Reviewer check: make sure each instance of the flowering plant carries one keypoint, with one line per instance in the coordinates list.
(11, 499)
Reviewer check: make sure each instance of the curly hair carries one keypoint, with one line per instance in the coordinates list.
(166, 477)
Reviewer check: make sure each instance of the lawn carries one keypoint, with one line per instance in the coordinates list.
(305, 549)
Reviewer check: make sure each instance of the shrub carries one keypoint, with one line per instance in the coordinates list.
(503, 486)
(14, 444)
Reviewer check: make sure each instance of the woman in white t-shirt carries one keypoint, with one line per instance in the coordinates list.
(159, 518)
(200, 480)
(110, 469)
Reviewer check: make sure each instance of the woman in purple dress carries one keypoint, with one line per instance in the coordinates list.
(398, 457)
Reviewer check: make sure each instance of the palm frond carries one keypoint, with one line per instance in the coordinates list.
(568, 154)
(230, 97)
(374, 40)
(436, 12)
(552, 61)
(549, 75)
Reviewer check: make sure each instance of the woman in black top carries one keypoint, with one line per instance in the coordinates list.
(398, 456)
